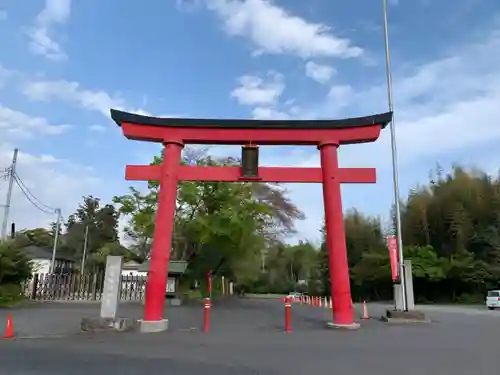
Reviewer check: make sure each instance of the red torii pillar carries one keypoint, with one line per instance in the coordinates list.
(174, 133)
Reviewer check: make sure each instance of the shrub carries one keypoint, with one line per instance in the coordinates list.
(15, 266)
(10, 294)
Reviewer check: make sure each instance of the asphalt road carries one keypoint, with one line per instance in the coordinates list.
(247, 338)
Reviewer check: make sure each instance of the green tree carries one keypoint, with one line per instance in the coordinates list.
(372, 275)
(458, 215)
(301, 258)
(15, 268)
(367, 255)
(219, 227)
(37, 237)
(141, 210)
(101, 221)
(96, 261)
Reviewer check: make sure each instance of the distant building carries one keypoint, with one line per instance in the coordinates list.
(131, 270)
(41, 258)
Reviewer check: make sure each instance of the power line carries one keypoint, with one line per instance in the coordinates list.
(11, 175)
(35, 202)
(19, 181)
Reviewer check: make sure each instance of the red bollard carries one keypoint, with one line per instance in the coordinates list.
(288, 315)
(206, 314)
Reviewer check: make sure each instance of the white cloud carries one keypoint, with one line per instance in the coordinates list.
(443, 106)
(254, 90)
(93, 100)
(446, 110)
(54, 182)
(99, 101)
(18, 124)
(187, 5)
(265, 113)
(41, 42)
(6, 75)
(273, 30)
(339, 97)
(319, 73)
(97, 128)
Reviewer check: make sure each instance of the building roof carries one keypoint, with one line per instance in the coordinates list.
(37, 252)
(175, 267)
(131, 265)
(121, 117)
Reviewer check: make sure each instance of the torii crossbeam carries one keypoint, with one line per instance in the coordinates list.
(266, 174)
(327, 135)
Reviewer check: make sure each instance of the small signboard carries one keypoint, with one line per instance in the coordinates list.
(171, 285)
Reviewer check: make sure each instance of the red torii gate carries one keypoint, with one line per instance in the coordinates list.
(174, 133)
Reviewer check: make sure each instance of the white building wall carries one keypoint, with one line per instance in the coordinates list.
(41, 265)
(133, 273)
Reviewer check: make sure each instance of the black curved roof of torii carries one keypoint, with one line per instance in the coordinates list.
(120, 117)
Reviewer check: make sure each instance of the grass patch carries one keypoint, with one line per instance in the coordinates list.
(11, 296)
(193, 294)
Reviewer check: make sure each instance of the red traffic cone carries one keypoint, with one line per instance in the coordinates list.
(9, 328)
(365, 311)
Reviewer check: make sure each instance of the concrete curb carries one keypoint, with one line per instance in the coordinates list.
(264, 296)
(345, 327)
(404, 321)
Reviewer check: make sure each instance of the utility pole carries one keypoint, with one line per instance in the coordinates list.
(56, 237)
(12, 174)
(394, 154)
(85, 241)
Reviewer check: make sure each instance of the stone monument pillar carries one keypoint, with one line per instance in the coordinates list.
(112, 287)
(410, 298)
(108, 320)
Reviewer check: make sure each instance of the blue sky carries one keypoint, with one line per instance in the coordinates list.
(63, 64)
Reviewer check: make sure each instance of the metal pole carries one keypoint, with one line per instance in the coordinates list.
(8, 199)
(399, 236)
(56, 237)
(262, 261)
(84, 249)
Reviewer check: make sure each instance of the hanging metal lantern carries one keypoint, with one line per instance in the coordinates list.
(250, 161)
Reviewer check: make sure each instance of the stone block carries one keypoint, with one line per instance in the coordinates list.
(108, 324)
(399, 316)
(147, 326)
(347, 327)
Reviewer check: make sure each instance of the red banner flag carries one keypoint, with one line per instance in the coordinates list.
(392, 244)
